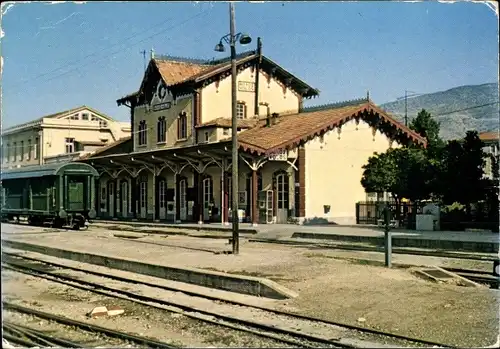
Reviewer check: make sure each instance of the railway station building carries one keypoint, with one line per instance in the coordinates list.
(296, 164)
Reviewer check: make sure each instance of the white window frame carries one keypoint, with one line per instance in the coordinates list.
(182, 193)
(14, 153)
(69, 145)
(162, 130)
(142, 139)
(30, 146)
(36, 148)
(162, 193)
(240, 110)
(21, 150)
(143, 193)
(182, 126)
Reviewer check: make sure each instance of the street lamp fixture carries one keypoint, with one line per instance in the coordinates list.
(243, 39)
(231, 40)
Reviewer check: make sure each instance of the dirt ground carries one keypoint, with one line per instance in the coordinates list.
(138, 319)
(393, 300)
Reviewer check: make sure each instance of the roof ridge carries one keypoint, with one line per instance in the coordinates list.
(179, 59)
(334, 105)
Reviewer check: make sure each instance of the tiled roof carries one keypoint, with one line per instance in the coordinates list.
(290, 130)
(174, 72)
(226, 123)
(489, 136)
(114, 147)
(178, 70)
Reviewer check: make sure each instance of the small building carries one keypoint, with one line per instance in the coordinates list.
(295, 163)
(491, 149)
(62, 136)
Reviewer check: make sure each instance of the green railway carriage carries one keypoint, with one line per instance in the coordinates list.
(58, 194)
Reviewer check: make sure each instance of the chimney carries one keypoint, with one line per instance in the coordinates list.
(152, 53)
(274, 117)
(268, 115)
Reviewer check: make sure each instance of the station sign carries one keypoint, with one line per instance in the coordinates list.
(281, 155)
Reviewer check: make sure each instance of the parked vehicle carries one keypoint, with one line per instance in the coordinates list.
(57, 195)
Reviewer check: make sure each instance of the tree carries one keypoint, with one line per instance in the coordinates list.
(425, 125)
(402, 172)
(461, 179)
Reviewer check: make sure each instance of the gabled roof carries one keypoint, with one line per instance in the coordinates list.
(57, 115)
(178, 71)
(490, 136)
(291, 130)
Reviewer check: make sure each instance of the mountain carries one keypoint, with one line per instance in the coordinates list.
(447, 107)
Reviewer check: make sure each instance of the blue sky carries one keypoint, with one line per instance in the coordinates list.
(57, 57)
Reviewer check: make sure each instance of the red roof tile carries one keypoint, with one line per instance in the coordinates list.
(489, 136)
(174, 72)
(290, 130)
(226, 123)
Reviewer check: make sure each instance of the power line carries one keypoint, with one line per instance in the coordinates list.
(95, 52)
(469, 108)
(123, 50)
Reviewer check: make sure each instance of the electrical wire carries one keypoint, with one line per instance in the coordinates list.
(94, 53)
(127, 48)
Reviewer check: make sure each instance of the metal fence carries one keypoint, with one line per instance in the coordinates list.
(482, 216)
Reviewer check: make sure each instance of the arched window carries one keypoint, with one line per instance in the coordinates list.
(142, 133)
(182, 126)
(161, 130)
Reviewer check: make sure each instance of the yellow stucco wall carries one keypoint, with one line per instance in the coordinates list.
(182, 104)
(334, 171)
(216, 101)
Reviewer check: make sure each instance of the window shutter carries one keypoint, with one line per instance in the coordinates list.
(244, 111)
(179, 127)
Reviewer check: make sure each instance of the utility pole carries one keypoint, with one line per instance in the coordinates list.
(144, 56)
(387, 237)
(234, 135)
(406, 108)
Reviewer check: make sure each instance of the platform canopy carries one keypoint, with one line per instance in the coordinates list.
(54, 169)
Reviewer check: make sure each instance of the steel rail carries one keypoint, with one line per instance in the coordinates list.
(130, 296)
(220, 299)
(87, 327)
(9, 327)
(38, 335)
(14, 339)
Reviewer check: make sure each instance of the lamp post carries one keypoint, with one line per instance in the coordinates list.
(231, 39)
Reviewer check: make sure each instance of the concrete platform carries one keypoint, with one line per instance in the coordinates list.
(485, 242)
(255, 286)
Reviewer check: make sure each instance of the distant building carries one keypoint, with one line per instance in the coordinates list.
(296, 163)
(491, 148)
(62, 136)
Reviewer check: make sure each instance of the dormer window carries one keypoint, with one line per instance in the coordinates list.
(85, 116)
(182, 126)
(94, 118)
(161, 130)
(75, 117)
(241, 110)
(142, 133)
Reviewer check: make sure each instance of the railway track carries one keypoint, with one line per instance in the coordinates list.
(479, 276)
(288, 328)
(28, 336)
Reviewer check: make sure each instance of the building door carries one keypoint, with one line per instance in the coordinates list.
(111, 203)
(162, 191)
(124, 197)
(282, 198)
(143, 194)
(207, 197)
(182, 199)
